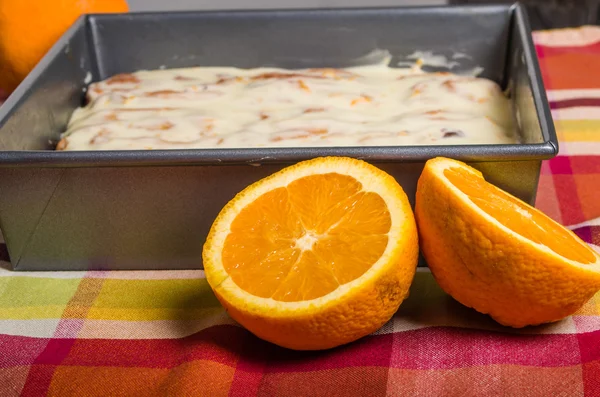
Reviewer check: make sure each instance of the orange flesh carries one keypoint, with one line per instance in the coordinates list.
(304, 240)
(513, 214)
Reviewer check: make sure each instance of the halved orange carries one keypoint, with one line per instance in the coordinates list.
(497, 254)
(316, 255)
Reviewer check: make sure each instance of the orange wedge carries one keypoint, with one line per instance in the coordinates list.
(496, 254)
(316, 255)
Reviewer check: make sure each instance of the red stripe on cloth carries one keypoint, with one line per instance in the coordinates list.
(589, 346)
(38, 380)
(266, 369)
(338, 382)
(23, 350)
(595, 235)
(251, 365)
(586, 164)
(246, 381)
(561, 165)
(590, 357)
(571, 103)
(445, 348)
(589, 234)
(591, 379)
(566, 190)
(55, 352)
(227, 344)
(42, 370)
(370, 351)
(584, 233)
(219, 344)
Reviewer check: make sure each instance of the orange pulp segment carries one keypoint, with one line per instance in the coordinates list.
(513, 214)
(304, 240)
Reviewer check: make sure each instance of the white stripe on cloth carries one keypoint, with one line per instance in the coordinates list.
(563, 95)
(115, 329)
(112, 274)
(579, 148)
(38, 328)
(591, 222)
(577, 113)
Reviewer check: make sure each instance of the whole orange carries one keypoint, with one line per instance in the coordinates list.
(29, 28)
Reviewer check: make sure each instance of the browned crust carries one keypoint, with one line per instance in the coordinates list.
(62, 144)
(123, 78)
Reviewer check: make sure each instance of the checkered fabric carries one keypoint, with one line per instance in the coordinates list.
(150, 333)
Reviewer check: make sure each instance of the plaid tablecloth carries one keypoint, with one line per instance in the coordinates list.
(163, 332)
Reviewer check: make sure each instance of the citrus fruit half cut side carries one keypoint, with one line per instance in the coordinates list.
(497, 254)
(316, 255)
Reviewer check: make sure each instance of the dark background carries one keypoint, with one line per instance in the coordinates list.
(553, 14)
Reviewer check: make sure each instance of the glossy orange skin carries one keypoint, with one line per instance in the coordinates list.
(493, 271)
(29, 28)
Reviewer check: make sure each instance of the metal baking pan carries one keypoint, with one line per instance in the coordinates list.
(153, 209)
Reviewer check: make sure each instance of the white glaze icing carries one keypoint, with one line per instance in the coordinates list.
(221, 107)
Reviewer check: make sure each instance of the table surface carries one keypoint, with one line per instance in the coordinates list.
(164, 333)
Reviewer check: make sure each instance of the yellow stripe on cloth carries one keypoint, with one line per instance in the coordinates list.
(578, 130)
